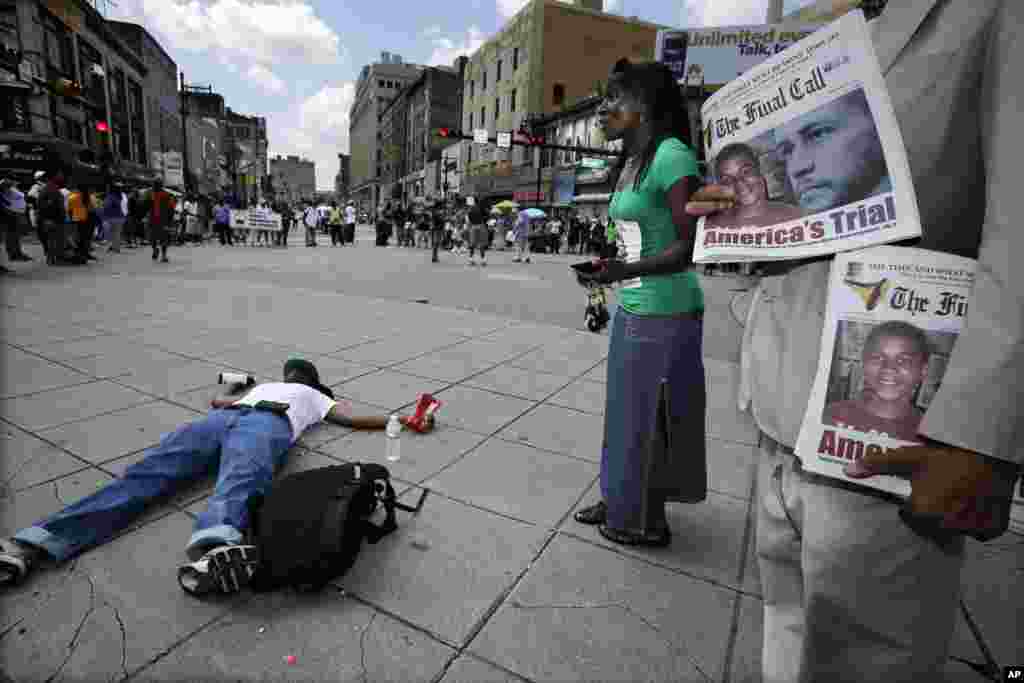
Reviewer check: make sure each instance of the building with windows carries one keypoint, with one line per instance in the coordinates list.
(546, 59)
(160, 90)
(41, 129)
(245, 150)
(343, 177)
(294, 179)
(377, 86)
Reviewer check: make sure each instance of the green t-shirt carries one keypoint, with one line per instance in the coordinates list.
(644, 224)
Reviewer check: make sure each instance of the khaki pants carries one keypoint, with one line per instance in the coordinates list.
(850, 593)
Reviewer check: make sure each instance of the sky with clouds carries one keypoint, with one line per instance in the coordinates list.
(296, 61)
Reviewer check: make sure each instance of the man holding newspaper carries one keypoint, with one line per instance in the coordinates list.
(851, 592)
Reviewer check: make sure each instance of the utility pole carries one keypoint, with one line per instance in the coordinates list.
(184, 134)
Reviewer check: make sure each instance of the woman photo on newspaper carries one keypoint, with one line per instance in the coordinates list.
(653, 450)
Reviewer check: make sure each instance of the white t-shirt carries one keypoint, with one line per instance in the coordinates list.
(306, 405)
(350, 215)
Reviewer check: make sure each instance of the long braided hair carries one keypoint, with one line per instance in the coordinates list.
(654, 86)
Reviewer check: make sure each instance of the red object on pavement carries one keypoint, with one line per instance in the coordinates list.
(426, 406)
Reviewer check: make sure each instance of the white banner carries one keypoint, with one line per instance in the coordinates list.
(255, 219)
(893, 317)
(808, 140)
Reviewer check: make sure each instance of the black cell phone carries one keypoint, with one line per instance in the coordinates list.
(586, 268)
(272, 406)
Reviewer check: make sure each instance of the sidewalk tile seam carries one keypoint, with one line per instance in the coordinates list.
(227, 609)
(86, 379)
(502, 597)
(47, 427)
(589, 540)
(734, 628)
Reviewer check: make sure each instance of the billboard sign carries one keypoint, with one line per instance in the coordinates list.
(715, 56)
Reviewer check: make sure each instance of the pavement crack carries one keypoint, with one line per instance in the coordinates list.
(625, 608)
(362, 648)
(124, 639)
(73, 644)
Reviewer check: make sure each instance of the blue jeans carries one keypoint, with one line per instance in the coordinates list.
(248, 445)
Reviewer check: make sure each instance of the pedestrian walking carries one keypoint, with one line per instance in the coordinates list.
(436, 218)
(51, 212)
(160, 206)
(350, 224)
(654, 447)
(115, 210)
(522, 237)
(222, 223)
(79, 213)
(14, 216)
(311, 219)
(478, 234)
(335, 226)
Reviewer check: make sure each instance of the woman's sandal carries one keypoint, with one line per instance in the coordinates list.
(594, 514)
(650, 539)
(225, 569)
(15, 562)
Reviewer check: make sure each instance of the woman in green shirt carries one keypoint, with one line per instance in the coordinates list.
(653, 449)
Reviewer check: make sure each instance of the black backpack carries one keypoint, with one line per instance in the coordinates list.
(310, 526)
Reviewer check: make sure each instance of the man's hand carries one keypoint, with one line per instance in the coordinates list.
(953, 490)
(710, 199)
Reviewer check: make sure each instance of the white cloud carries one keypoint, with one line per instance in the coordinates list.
(696, 13)
(261, 31)
(508, 8)
(317, 129)
(266, 79)
(446, 50)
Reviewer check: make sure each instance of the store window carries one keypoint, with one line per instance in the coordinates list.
(515, 58)
(14, 116)
(497, 76)
(59, 50)
(483, 84)
(558, 95)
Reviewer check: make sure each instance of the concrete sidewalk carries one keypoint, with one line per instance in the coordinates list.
(493, 581)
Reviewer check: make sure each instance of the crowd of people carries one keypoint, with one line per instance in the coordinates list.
(72, 219)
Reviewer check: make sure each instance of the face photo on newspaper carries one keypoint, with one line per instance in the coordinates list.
(826, 159)
(883, 377)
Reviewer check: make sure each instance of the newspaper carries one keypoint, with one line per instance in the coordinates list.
(892, 320)
(256, 219)
(809, 142)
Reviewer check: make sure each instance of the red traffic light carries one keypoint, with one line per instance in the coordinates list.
(102, 127)
(444, 132)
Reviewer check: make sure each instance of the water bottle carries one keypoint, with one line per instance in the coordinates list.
(392, 433)
(235, 378)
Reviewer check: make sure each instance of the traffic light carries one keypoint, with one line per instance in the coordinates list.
(103, 140)
(65, 87)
